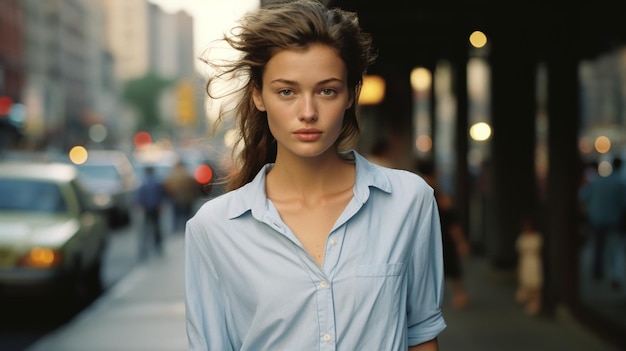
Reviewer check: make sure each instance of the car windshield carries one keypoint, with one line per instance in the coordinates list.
(31, 195)
(102, 172)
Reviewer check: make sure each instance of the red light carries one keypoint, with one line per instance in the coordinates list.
(142, 139)
(5, 105)
(203, 174)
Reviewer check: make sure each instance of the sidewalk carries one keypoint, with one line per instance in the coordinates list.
(494, 321)
(145, 311)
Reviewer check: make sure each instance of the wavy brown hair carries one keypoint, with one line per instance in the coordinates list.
(257, 37)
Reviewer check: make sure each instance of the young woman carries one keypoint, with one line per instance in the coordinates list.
(314, 248)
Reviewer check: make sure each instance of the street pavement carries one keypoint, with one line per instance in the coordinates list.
(145, 311)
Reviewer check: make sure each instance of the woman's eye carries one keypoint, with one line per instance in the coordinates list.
(327, 92)
(286, 92)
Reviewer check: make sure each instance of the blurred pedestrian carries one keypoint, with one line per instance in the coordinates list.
(183, 190)
(315, 247)
(150, 197)
(455, 243)
(604, 201)
(529, 245)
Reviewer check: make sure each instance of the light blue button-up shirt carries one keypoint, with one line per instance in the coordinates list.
(250, 285)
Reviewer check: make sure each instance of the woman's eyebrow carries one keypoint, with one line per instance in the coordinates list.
(293, 82)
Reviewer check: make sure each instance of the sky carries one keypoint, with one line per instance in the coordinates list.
(211, 17)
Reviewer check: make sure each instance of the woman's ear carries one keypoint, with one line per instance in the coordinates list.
(354, 96)
(258, 99)
(350, 102)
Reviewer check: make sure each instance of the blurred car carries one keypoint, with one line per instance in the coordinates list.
(52, 236)
(111, 176)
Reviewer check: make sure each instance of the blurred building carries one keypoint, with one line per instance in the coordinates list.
(172, 57)
(171, 43)
(64, 64)
(145, 40)
(127, 36)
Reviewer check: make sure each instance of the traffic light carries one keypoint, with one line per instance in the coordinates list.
(185, 104)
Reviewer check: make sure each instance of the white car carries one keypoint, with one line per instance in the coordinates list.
(52, 236)
(111, 176)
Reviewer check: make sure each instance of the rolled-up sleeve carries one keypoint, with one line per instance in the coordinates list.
(425, 287)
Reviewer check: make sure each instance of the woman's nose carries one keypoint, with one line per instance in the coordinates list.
(308, 111)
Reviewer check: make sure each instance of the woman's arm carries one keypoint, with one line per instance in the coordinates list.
(426, 346)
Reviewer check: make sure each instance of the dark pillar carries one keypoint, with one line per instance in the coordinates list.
(563, 179)
(513, 115)
(397, 111)
(462, 183)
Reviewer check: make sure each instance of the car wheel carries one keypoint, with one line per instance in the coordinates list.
(84, 286)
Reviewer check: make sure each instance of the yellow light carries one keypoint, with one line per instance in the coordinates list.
(478, 39)
(421, 79)
(78, 155)
(41, 258)
(602, 144)
(480, 131)
(372, 91)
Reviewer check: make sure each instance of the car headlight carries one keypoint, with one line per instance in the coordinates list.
(41, 257)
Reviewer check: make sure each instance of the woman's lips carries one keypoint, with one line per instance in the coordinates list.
(308, 134)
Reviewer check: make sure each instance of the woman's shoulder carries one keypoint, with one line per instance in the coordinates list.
(395, 174)
(217, 207)
(404, 183)
(407, 179)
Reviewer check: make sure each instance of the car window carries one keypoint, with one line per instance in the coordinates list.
(103, 172)
(31, 195)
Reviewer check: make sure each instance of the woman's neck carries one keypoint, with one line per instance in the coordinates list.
(309, 178)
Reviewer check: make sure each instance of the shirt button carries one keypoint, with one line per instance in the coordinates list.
(333, 242)
(324, 284)
(326, 337)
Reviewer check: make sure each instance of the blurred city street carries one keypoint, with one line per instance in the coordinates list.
(517, 110)
(145, 311)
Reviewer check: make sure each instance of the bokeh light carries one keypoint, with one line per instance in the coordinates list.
(421, 79)
(480, 131)
(97, 133)
(424, 143)
(203, 174)
(373, 90)
(478, 39)
(78, 155)
(602, 144)
(605, 168)
(585, 145)
(142, 139)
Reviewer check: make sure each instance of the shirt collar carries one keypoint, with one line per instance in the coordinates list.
(252, 197)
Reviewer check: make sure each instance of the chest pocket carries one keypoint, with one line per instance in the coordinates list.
(378, 291)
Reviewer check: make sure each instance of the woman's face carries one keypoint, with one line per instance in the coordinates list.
(305, 95)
